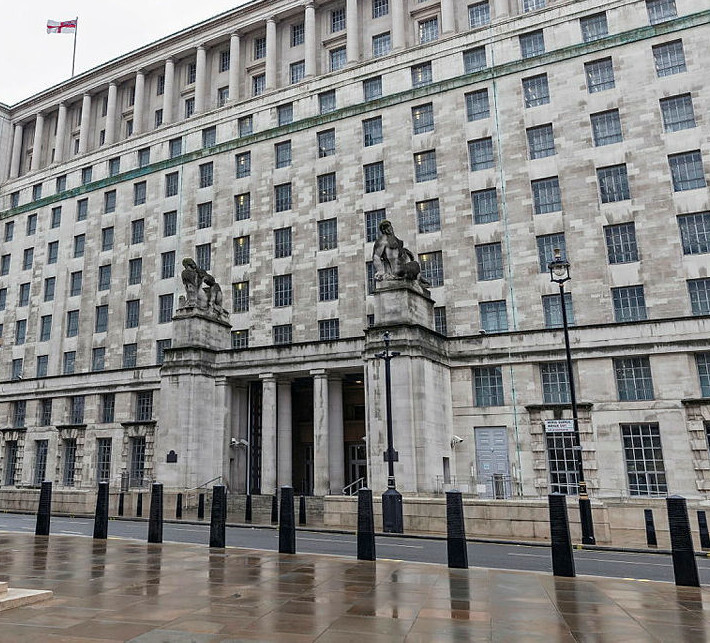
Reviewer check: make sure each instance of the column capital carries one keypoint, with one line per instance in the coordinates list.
(170, 60)
(236, 34)
(318, 372)
(221, 381)
(113, 83)
(267, 377)
(201, 47)
(309, 4)
(271, 19)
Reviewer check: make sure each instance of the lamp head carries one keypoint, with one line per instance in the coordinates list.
(559, 268)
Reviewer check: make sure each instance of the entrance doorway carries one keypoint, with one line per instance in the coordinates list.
(492, 464)
(356, 462)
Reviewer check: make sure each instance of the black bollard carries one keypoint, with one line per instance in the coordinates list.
(178, 507)
(101, 515)
(287, 523)
(120, 503)
(365, 525)
(302, 511)
(139, 505)
(703, 529)
(685, 568)
(201, 506)
(155, 523)
(562, 559)
(651, 540)
(44, 511)
(218, 516)
(247, 508)
(455, 531)
(274, 509)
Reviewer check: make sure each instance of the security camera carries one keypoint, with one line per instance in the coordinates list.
(233, 442)
(456, 440)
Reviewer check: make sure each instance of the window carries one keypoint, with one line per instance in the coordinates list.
(297, 71)
(328, 284)
(242, 206)
(372, 131)
(243, 164)
(695, 233)
(175, 146)
(45, 328)
(98, 359)
(130, 354)
(41, 447)
(370, 277)
(337, 20)
(699, 291)
(613, 183)
(432, 265)
(621, 243)
(10, 462)
(536, 91)
(61, 185)
(479, 14)
(326, 102)
(423, 118)
(594, 27)
(660, 10)
(494, 317)
(79, 245)
(373, 218)
(16, 369)
(703, 363)
(298, 34)
(283, 334)
(380, 8)
(677, 113)
(139, 193)
(606, 127)
(644, 459)
(136, 470)
(258, 84)
(49, 286)
(541, 141)
(56, 217)
(20, 332)
(422, 75)
(160, 347)
(31, 224)
(170, 223)
(485, 206)
(104, 277)
(206, 174)
(69, 360)
(326, 188)
(240, 297)
(114, 166)
(15, 196)
(489, 261)
(282, 197)
(240, 339)
(222, 97)
(137, 231)
(72, 323)
(474, 60)
(204, 215)
(107, 238)
(82, 209)
(381, 44)
(488, 386)
(209, 136)
(326, 143)
(531, 5)
(37, 192)
(428, 218)
(259, 48)
(103, 454)
(546, 246)
(629, 303)
(203, 256)
(328, 329)
(552, 311)
(428, 30)
(477, 105)
(45, 412)
(374, 174)
(283, 290)
(669, 58)
(546, 195)
(425, 166)
(687, 171)
(76, 409)
(101, 323)
(135, 271)
(109, 201)
(28, 258)
(285, 114)
(246, 125)
(440, 320)
(562, 459)
(3, 298)
(172, 181)
(338, 59)
(328, 234)
(599, 75)
(372, 88)
(69, 454)
(133, 309)
(144, 406)
(480, 154)
(282, 242)
(167, 265)
(75, 280)
(5, 260)
(555, 383)
(86, 175)
(165, 309)
(24, 295)
(144, 157)
(283, 154)
(532, 44)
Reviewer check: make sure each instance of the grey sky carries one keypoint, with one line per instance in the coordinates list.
(32, 60)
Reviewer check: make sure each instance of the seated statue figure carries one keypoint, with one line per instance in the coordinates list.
(192, 277)
(214, 294)
(392, 260)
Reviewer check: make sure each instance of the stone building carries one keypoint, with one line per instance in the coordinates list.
(268, 143)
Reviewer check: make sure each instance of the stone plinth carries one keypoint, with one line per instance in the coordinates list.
(402, 302)
(197, 327)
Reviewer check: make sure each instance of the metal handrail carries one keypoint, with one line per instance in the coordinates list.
(204, 484)
(354, 487)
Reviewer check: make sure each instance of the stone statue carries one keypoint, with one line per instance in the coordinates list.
(192, 277)
(213, 293)
(201, 290)
(392, 260)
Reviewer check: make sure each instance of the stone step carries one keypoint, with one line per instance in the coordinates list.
(21, 597)
(3, 589)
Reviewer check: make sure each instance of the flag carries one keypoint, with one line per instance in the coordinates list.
(66, 26)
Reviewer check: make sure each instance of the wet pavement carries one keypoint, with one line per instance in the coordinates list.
(122, 590)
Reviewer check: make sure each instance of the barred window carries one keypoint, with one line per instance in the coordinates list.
(224, 60)
(613, 183)
(555, 383)
(10, 462)
(203, 256)
(45, 412)
(69, 465)
(489, 261)
(380, 8)
(337, 20)
(373, 218)
(144, 406)
(372, 88)
(133, 308)
(240, 297)
(621, 243)
(432, 266)
(485, 205)
(536, 90)
(687, 171)
(246, 125)
(326, 101)
(381, 44)
(421, 75)
(328, 284)
(297, 71)
(338, 58)
(165, 309)
(282, 242)
(283, 290)
(326, 143)
(130, 355)
(103, 458)
(328, 329)
(298, 34)
(370, 277)
(240, 339)
(488, 386)
(41, 448)
(477, 105)
(206, 175)
(284, 114)
(241, 250)
(633, 378)
(695, 233)
(374, 175)
(327, 190)
(76, 409)
(282, 197)
(259, 48)
(167, 265)
(440, 320)
(600, 75)
(428, 218)
(594, 27)
(532, 44)
(283, 334)
(283, 154)
(423, 118)
(546, 246)
(562, 460)
(660, 10)
(606, 127)
(494, 316)
(677, 113)
(425, 166)
(328, 234)
(479, 14)
(546, 195)
(629, 303)
(242, 163)
(136, 470)
(160, 347)
(644, 459)
(242, 206)
(372, 131)
(532, 5)
(552, 311)
(204, 215)
(541, 141)
(699, 291)
(480, 154)
(19, 413)
(474, 59)
(669, 58)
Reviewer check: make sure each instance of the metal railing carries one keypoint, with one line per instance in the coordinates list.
(354, 487)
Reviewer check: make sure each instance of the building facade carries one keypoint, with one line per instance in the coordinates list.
(268, 143)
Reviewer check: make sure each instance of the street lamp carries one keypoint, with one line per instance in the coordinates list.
(559, 274)
(391, 499)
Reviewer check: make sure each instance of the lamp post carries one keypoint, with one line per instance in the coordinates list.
(391, 499)
(559, 274)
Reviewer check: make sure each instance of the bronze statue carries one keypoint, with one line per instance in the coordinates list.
(392, 260)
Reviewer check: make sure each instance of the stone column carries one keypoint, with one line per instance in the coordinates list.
(285, 434)
(336, 445)
(321, 452)
(271, 53)
(84, 126)
(200, 79)
(268, 435)
(234, 66)
(168, 87)
(398, 37)
(310, 38)
(240, 431)
(16, 152)
(223, 419)
(37, 145)
(352, 24)
(448, 16)
(61, 133)
(138, 103)
(111, 114)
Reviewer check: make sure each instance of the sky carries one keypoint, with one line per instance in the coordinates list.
(32, 60)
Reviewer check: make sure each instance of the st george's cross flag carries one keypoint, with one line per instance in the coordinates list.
(65, 26)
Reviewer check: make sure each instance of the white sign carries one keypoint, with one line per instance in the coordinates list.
(559, 426)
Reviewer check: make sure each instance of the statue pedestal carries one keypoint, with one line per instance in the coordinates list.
(402, 302)
(194, 326)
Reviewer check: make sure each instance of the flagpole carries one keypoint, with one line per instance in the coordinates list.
(73, 58)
